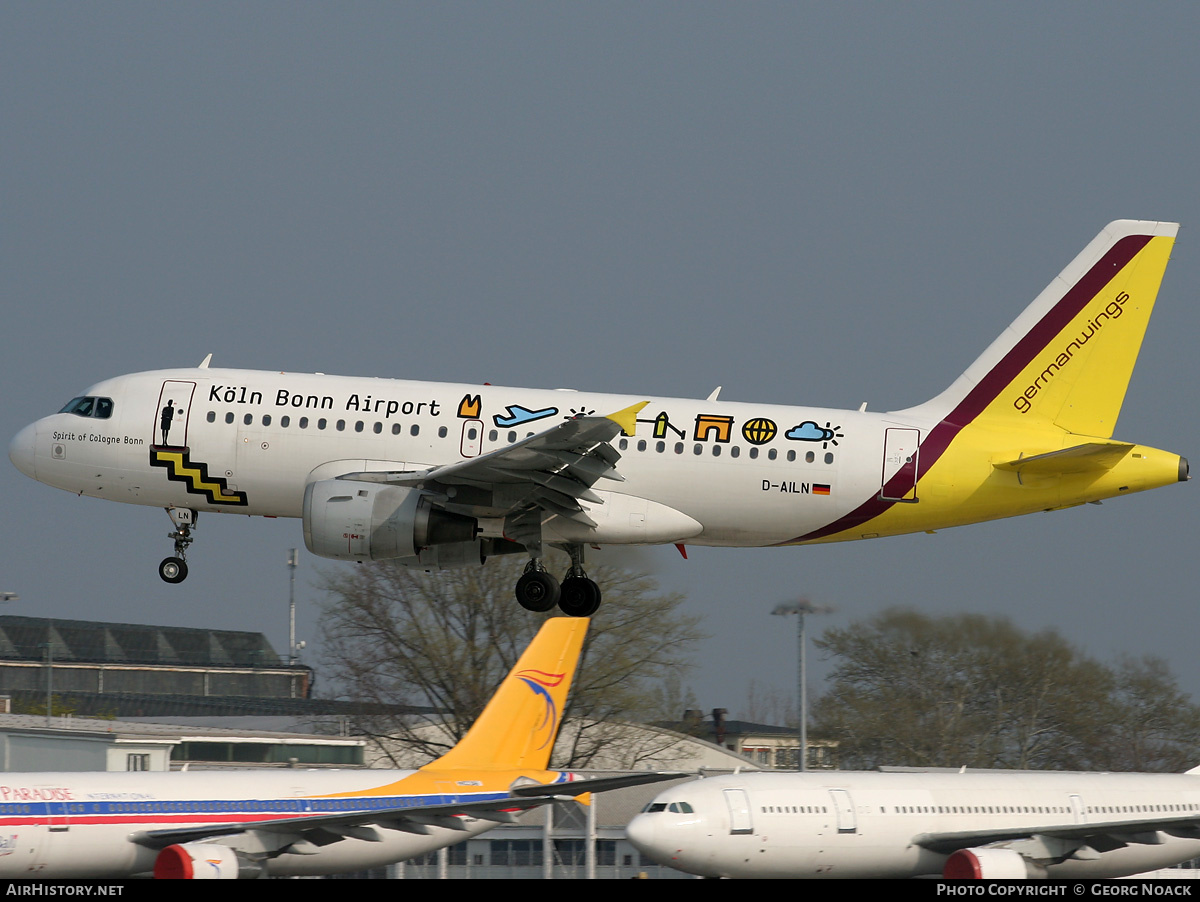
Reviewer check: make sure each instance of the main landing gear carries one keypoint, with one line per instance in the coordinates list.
(174, 569)
(576, 596)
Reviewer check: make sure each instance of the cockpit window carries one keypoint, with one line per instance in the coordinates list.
(654, 806)
(100, 408)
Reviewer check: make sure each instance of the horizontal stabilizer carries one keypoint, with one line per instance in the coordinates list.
(1077, 459)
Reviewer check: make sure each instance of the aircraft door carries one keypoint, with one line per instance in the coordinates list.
(739, 811)
(472, 438)
(901, 462)
(54, 820)
(844, 806)
(171, 415)
(1077, 809)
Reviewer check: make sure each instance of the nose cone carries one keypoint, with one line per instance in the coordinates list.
(643, 835)
(21, 450)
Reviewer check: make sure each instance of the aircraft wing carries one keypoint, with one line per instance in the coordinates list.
(550, 472)
(1060, 842)
(323, 829)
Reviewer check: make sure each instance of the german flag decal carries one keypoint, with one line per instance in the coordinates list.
(194, 475)
(820, 489)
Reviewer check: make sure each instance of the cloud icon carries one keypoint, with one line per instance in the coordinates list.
(808, 431)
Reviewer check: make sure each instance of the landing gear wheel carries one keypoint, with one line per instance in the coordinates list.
(538, 591)
(173, 570)
(579, 597)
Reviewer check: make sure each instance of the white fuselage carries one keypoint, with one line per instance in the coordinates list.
(79, 825)
(267, 435)
(846, 824)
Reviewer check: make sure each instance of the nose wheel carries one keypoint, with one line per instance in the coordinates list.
(174, 569)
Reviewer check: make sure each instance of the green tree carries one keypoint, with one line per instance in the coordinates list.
(396, 636)
(913, 690)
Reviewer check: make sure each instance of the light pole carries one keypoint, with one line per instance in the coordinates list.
(292, 563)
(800, 608)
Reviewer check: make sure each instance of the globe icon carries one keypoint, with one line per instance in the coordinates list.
(759, 431)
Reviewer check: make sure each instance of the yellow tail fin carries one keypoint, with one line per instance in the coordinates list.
(518, 727)
(1067, 359)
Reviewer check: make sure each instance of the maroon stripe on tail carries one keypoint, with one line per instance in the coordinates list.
(1000, 375)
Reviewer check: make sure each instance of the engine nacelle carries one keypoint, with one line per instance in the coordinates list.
(366, 521)
(203, 861)
(990, 864)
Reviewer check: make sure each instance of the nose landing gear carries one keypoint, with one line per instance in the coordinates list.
(174, 569)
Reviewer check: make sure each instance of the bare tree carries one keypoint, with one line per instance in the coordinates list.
(395, 636)
(909, 689)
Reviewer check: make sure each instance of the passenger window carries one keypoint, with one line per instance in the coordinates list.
(512, 437)
(341, 425)
(414, 429)
(772, 454)
(810, 457)
(285, 422)
(754, 454)
(679, 447)
(378, 427)
(735, 451)
(442, 432)
(212, 416)
(493, 435)
(623, 444)
(642, 445)
(248, 419)
(229, 417)
(395, 428)
(716, 450)
(791, 455)
(699, 449)
(828, 457)
(304, 422)
(358, 426)
(660, 447)
(266, 419)
(321, 423)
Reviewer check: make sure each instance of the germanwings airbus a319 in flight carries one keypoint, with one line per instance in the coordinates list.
(438, 475)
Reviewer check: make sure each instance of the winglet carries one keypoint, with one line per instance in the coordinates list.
(627, 418)
(518, 727)
(205, 362)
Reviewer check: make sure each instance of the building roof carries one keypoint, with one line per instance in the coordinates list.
(25, 638)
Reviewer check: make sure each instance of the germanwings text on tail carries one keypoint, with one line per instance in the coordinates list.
(439, 475)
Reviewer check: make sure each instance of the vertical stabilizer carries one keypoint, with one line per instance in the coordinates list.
(1067, 359)
(518, 727)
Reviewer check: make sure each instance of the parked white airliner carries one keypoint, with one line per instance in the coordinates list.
(440, 475)
(222, 825)
(921, 822)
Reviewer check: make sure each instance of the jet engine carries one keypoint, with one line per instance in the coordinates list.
(367, 521)
(990, 864)
(204, 861)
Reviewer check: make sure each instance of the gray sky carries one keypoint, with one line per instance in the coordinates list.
(805, 203)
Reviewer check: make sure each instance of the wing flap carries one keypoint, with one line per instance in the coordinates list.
(559, 466)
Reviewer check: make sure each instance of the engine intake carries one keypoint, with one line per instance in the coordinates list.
(365, 521)
(204, 861)
(990, 864)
